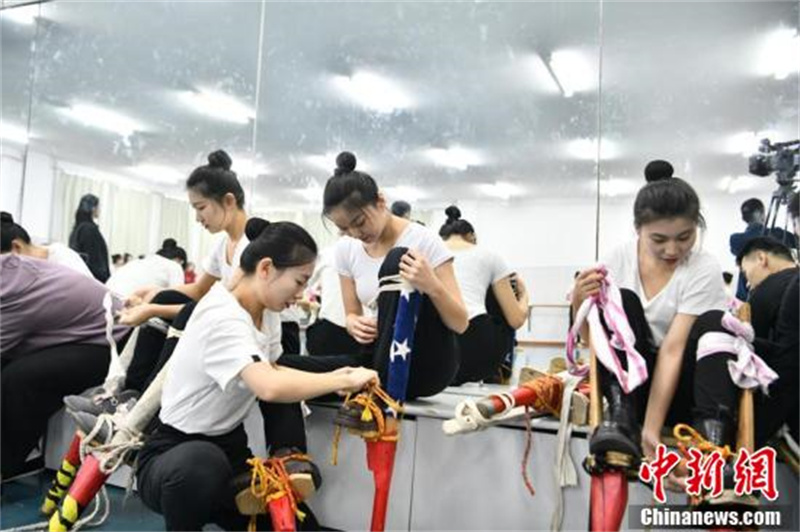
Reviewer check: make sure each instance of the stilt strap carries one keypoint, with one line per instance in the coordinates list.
(270, 481)
(372, 410)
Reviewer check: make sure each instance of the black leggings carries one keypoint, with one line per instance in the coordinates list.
(434, 364)
(188, 479)
(484, 346)
(33, 388)
(149, 345)
(324, 337)
(705, 386)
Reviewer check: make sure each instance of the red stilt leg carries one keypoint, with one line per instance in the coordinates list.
(88, 482)
(609, 499)
(282, 516)
(523, 396)
(380, 460)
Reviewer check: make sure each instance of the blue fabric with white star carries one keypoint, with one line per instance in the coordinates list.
(405, 323)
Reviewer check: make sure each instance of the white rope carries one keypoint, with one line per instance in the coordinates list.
(566, 473)
(391, 283)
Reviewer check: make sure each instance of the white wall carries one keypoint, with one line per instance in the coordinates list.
(10, 180)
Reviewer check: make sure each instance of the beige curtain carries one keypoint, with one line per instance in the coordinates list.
(131, 218)
(175, 217)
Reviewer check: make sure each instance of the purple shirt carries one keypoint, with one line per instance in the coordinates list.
(43, 304)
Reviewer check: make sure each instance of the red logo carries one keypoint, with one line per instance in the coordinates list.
(664, 462)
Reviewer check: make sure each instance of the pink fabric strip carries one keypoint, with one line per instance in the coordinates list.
(748, 370)
(609, 302)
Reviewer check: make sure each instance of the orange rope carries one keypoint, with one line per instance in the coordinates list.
(269, 481)
(526, 455)
(687, 435)
(371, 410)
(549, 394)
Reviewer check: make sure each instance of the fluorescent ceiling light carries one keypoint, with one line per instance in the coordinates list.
(586, 149)
(746, 143)
(248, 167)
(218, 105)
(21, 15)
(613, 187)
(13, 133)
(571, 71)
(541, 75)
(501, 190)
(406, 193)
(455, 157)
(101, 118)
(158, 173)
(373, 92)
(313, 192)
(780, 54)
(742, 183)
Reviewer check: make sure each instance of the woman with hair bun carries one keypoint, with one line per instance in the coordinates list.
(379, 247)
(164, 269)
(672, 294)
(87, 240)
(495, 307)
(15, 239)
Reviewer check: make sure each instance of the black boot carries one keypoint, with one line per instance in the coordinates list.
(718, 427)
(620, 431)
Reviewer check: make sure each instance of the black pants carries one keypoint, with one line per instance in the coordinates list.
(188, 479)
(325, 338)
(434, 364)
(484, 346)
(33, 388)
(705, 386)
(150, 344)
(290, 337)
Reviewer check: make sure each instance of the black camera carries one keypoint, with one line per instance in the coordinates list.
(782, 158)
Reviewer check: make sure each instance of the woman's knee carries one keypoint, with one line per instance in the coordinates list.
(391, 263)
(198, 470)
(709, 321)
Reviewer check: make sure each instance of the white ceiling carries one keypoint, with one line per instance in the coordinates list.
(678, 79)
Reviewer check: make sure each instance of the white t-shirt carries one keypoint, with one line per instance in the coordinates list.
(326, 275)
(203, 390)
(696, 286)
(477, 269)
(352, 260)
(61, 254)
(217, 265)
(154, 270)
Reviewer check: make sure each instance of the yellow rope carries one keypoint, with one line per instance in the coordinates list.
(270, 481)
(372, 409)
(687, 435)
(549, 393)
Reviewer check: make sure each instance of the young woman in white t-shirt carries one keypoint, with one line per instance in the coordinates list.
(221, 365)
(670, 288)
(163, 269)
(365, 254)
(495, 308)
(15, 239)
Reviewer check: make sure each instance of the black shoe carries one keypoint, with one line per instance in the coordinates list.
(619, 432)
(350, 416)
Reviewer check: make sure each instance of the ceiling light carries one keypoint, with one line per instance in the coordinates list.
(742, 183)
(218, 105)
(406, 193)
(158, 173)
(571, 72)
(613, 187)
(248, 167)
(21, 15)
(101, 118)
(373, 92)
(501, 190)
(746, 143)
(780, 54)
(455, 157)
(312, 192)
(586, 149)
(13, 133)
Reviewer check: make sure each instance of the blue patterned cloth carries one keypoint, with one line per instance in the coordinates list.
(405, 323)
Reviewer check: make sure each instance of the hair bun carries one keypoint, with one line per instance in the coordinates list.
(220, 159)
(453, 213)
(255, 226)
(658, 170)
(345, 163)
(6, 218)
(169, 243)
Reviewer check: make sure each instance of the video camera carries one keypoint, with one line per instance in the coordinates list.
(782, 158)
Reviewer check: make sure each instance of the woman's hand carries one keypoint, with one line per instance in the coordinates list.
(135, 316)
(587, 284)
(362, 328)
(416, 269)
(357, 378)
(142, 295)
(676, 480)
